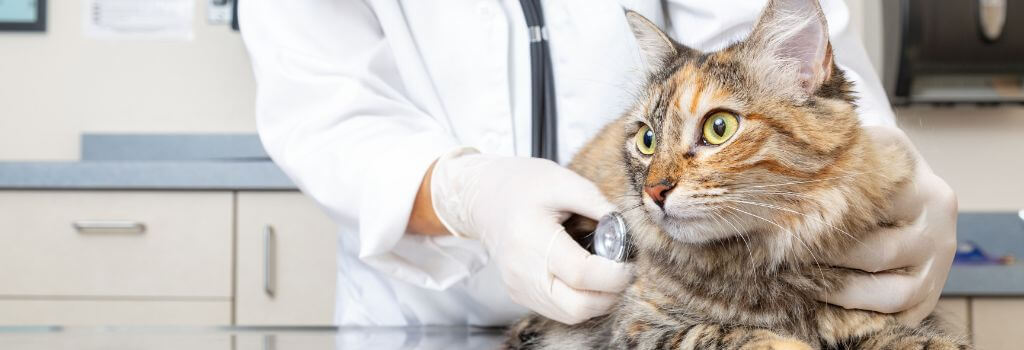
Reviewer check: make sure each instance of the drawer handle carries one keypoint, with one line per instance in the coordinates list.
(269, 257)
(108, 226)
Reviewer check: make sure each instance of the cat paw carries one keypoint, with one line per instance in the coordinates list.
(935, 344)
(779, 344)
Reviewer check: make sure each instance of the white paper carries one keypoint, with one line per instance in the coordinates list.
(139, 19)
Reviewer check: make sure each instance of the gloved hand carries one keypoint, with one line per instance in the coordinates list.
(515, 206)
(925, 247)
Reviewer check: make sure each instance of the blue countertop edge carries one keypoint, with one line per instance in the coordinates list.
(144, 175)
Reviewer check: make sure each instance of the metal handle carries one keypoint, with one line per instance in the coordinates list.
(109, 226)
(270, 342)
(992, 18)
(269, 257)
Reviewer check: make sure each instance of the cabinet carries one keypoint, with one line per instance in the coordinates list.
(131, 257)
(996, 323)
(286, 266)
(165, 258)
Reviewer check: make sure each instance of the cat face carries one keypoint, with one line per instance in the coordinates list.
(744, 140)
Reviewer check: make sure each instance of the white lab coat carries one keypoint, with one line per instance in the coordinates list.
(357, 98)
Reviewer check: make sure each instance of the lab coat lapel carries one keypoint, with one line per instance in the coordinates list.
(418, 82)
(460, 50)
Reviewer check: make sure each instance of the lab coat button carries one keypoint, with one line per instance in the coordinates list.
(485, 9)
(491, 138)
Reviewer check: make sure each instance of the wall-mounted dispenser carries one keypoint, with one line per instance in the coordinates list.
(954, 51)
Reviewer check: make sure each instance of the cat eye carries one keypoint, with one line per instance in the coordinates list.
(645, 141)
(719, 127)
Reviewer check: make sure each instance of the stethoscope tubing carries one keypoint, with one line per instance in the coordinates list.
(544, 141)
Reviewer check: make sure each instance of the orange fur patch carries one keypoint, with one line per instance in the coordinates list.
(699, 85)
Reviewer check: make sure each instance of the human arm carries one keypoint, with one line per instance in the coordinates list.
(336, 116)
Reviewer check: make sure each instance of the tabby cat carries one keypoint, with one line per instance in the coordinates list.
(737, 171)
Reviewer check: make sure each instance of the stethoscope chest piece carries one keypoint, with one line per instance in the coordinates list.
(611, 238)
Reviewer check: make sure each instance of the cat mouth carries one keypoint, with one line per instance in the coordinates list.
(689, 222)
(688, 216)
(679, 211)
(679, 215)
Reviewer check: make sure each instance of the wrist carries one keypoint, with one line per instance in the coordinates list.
(450, 184)
(422, 219)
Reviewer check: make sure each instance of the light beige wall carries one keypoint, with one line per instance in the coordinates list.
(979, 151)
(57, 85)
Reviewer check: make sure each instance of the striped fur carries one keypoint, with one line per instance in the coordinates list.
(735, 258)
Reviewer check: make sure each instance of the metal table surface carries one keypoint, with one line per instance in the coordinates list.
(249, 338)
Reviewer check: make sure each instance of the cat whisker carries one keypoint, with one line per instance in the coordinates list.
(754, 185)
(806, 247)
(794, 194)
(809, 181)
(632, 208)
(799, 213)
(741, 235)
(626, 195)
(845, 232)
(754, 266)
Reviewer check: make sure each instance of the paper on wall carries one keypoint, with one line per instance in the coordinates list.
(139, 19)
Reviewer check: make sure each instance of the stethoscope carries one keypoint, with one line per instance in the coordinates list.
(544, 135)
(610, 239)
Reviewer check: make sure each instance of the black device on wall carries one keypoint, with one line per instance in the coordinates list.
(35, 23)
(954, 51)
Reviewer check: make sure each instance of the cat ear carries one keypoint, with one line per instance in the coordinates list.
(791, 38)
(655, 46)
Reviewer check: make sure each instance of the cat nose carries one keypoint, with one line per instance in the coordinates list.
(659, 191)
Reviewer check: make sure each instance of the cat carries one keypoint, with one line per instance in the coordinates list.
(737, 171)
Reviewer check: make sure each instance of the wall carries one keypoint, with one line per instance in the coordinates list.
(57, 85)
(979, 151)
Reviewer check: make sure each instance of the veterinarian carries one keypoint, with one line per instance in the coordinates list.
(377, 109)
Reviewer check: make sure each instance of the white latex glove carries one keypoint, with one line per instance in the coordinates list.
(515, 206)
(925, 247)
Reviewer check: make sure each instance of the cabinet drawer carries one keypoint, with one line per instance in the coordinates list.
(132, 243)
(115, 312)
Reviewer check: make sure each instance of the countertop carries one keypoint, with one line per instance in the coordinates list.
(243, 338)
(144, 175)
(997, 234)
(154, 162)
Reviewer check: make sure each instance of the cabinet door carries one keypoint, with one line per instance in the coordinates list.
(114, 311)
(286, 267)
(996, 323)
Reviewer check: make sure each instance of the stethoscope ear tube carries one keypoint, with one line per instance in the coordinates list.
(544, 139)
